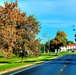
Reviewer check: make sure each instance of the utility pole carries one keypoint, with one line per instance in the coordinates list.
(44, 35)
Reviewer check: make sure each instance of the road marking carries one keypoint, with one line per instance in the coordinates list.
(61, 70)
(25, 69)
(28, 68)
(64, 65)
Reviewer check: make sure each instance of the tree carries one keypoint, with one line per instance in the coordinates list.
(35, 47)
(69, 42)
(47, 46)
(32, 26)
(17, 31)
(58, 41)
(10, 18)
(41, 48)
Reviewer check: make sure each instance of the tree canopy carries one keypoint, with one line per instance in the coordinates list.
(17, 31)
(58, 41)
(69, 42)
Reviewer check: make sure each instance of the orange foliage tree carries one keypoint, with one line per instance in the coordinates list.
(17, 31)
(58, 41)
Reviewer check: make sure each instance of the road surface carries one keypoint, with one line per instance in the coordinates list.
(65, 65)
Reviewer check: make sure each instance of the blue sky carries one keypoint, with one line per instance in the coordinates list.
(53, 15)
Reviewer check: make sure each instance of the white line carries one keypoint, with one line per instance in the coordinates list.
(27, 68)
(24, 69)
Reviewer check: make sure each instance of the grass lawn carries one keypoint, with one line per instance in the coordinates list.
(16, 62)
(64, 53)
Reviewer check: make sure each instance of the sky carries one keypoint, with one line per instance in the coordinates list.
(53, 15)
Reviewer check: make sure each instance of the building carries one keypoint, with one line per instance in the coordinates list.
(63, 49)
(69, 47)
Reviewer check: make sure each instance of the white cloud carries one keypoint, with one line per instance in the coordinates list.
(55, 23)
(50, 11)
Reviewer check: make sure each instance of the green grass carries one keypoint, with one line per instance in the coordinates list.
(12, 60)
(1, 56)
(9, 66)
(64, 53)
(16, 62)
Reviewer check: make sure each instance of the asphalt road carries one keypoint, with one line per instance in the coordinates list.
(65, 65)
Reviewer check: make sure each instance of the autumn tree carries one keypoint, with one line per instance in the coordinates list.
(32, 26)
(58, 41)
(35, 47)
(17, 31)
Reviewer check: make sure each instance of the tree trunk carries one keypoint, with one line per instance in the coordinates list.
(22, 60)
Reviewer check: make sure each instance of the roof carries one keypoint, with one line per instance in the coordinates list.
(71, 45)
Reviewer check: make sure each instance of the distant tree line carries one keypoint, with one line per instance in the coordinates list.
(56, 43)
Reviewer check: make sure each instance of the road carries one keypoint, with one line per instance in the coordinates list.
(65, 65)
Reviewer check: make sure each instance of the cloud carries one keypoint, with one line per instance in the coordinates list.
(36, 6)
(52, 6)
(47, 7)
(55, 23)
(50, 9)
(52, 13)
(59, 12)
